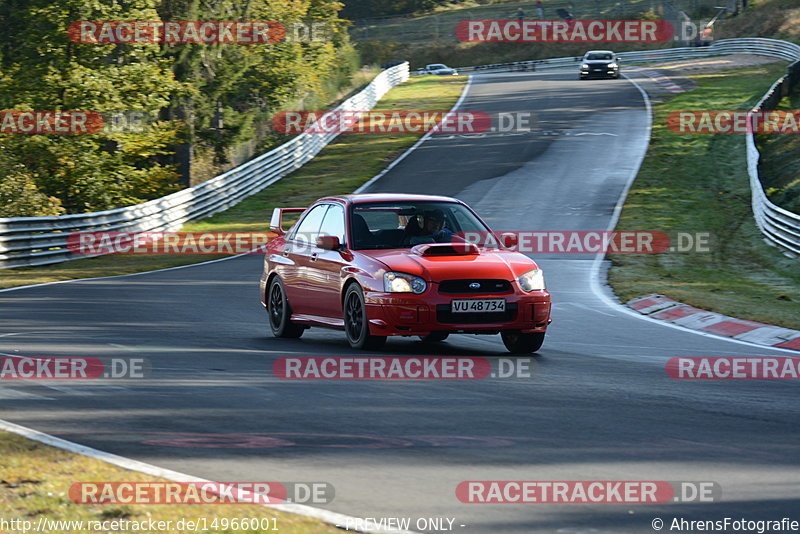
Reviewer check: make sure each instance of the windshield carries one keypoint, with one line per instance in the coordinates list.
(388, 225)
(599, 55)
(437, 66)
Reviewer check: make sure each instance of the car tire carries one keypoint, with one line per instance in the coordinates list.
(434, 337)
(279, 312)
(356, 326)
(518, 343)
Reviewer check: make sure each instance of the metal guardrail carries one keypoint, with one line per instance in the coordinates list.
(31, 241)
(780, 227)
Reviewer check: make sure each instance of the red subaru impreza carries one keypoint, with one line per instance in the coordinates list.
(388, 264)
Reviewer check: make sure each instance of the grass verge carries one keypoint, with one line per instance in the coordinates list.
(699, 183)
(342, 166)
(35, 481)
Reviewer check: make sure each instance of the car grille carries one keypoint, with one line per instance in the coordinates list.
(487, 286)
(445, 316)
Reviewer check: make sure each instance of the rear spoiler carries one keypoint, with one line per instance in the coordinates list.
(276, 222)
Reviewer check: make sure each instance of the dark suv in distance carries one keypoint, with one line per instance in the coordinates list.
(600, 64)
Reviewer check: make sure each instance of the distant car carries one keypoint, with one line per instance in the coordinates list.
(600, 64)
(395, 265)
(439, 69)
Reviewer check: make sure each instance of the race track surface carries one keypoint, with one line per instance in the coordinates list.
(599, 405)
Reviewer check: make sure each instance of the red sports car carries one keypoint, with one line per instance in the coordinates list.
(399, 265)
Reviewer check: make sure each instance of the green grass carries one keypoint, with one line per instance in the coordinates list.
(349, 161)
(432, 38)
(35, 480)
(440, 24)
(776, 19)
(699, 183)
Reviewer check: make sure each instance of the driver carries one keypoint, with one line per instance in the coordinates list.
(432, 230)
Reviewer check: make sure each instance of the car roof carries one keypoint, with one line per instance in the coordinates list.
(386, 197)
(599, 52)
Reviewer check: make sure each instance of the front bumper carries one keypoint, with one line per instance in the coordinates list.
(605, 73)
(393, 314)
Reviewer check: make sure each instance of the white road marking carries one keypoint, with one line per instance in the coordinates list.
(584, 306)
(413, 147)
(14, 394)
(331, 518)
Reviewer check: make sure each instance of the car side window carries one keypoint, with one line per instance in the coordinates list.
(307, 229)
(333, 224)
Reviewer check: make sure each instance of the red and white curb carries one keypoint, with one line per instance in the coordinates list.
(666, 309)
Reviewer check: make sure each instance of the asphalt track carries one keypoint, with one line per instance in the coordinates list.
(599, 405)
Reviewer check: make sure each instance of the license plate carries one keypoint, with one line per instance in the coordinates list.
(478, 305)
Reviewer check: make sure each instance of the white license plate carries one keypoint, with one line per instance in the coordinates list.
(478, 305)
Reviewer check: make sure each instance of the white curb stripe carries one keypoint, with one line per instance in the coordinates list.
(331, 518)
(751, 332)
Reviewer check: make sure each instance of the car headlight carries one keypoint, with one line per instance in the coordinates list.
(394, 282)
(532, 280)
(584, 66)
(612, 65)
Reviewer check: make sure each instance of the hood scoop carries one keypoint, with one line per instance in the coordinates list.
(446, 249)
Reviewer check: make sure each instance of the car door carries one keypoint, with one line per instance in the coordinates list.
(327, 266)
(299, 273)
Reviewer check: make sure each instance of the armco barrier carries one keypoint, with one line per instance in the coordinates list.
(27, 241)
(30, 241)
(780, 227)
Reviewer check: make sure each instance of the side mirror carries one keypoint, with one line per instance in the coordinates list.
(509, 240)
(328, 242)
(276, 221)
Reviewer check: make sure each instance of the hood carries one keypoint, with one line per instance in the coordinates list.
(598, 61)
(502, 264)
